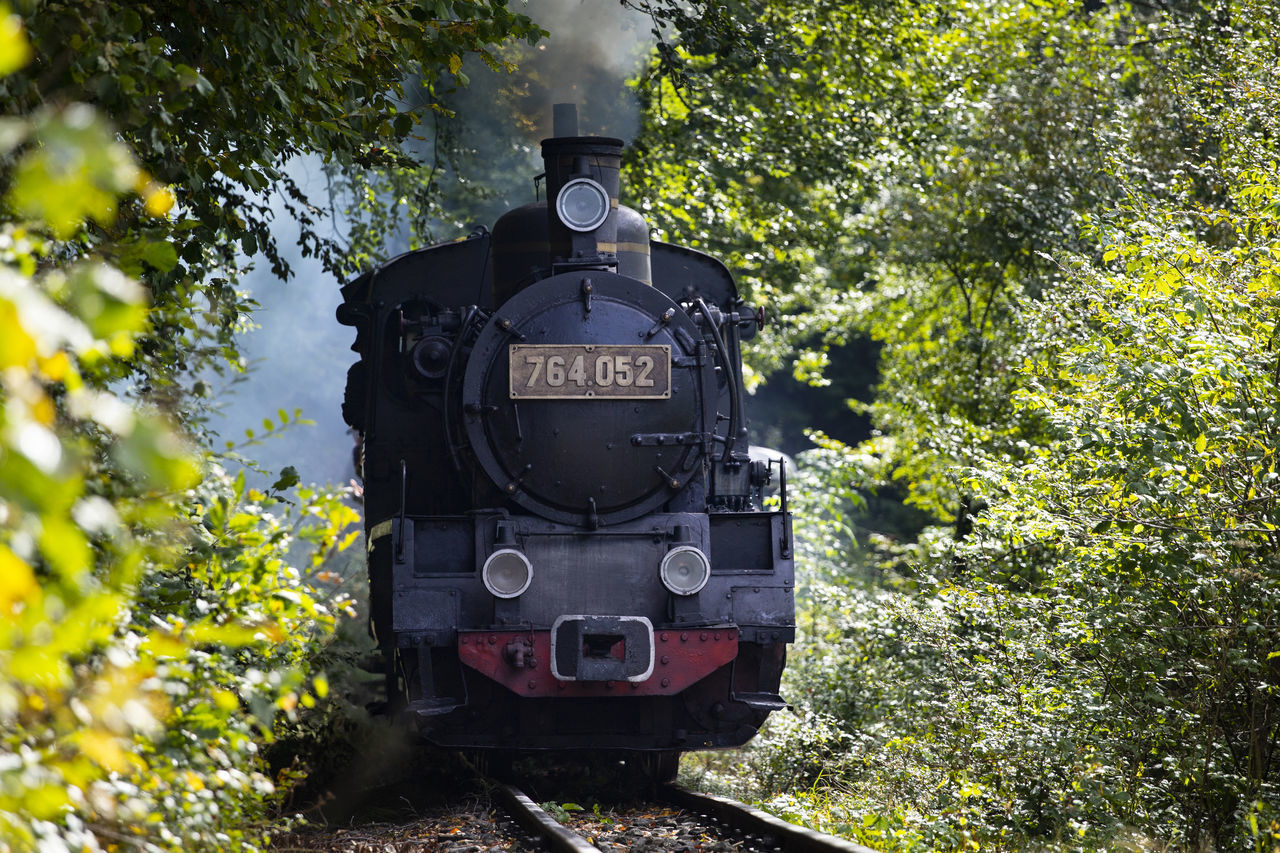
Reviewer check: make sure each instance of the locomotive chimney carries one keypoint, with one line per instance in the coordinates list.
(581, 225)
(582, 193)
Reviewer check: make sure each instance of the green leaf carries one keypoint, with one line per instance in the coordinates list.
(288, 478)
(161, 255)
(74, 174)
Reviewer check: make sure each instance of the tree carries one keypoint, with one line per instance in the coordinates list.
(887, 183)
(1155, 373)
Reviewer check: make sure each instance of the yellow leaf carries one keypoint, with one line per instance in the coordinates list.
(43, 411)
(159, 200)
(1201, 444)
(455, 62)
(104, 750)
(164, 645)
(17, 581)
(46, 801)
(65, 547)
(40, 666)
(222, 635)
(226, 700)
(56, 366)
(121, 344)
(17, 348)
(15, 51)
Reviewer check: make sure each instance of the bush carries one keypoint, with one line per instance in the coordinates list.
(158, 617)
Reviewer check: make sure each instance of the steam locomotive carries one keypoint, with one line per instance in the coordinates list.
(567, 542)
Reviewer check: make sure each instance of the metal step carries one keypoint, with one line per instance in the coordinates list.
(762, 701)
(434, 707)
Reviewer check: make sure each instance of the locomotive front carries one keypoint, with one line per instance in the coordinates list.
(567, 543)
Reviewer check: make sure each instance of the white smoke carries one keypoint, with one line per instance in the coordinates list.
(594, 47)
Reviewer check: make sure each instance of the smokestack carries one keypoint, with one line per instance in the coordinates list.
(564, 119)
(531, 242)
(568, 158)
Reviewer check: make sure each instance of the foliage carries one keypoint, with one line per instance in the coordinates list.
(234, 634)
(1060, 225)
(734, 34)
(158, 617)
(214, 100)
(1154, 502)
(953, 713)
(898, 179)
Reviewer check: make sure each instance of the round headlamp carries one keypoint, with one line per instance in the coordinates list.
(582, 204)
(507, 573)
(685, 570)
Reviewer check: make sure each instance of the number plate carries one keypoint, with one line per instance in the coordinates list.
(578, 371)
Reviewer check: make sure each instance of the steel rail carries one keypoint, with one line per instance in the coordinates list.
(792, 838)
(537, 822)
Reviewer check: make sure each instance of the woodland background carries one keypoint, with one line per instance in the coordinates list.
(1034, 245)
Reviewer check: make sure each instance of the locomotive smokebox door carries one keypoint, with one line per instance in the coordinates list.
(595, 404)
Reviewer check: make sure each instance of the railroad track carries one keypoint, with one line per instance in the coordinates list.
(739, 827)
(433, 803)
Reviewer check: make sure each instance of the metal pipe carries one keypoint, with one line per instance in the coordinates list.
(733, 380)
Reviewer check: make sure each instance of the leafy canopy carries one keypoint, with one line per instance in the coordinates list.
(213, 100)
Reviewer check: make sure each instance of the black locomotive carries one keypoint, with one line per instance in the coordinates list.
(567, 546)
